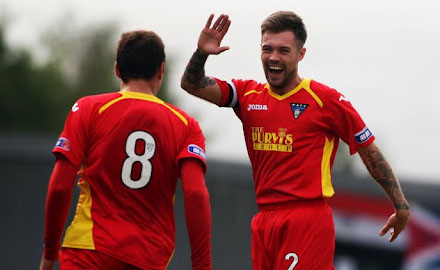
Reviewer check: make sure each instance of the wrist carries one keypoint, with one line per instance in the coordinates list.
(51, 253)
(401, 206)
(202, 53)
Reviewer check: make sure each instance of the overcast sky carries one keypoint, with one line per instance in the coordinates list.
(383, 55)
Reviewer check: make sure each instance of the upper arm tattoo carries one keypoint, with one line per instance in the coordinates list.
(207, 81)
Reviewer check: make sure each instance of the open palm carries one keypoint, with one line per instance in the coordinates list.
(211, 37)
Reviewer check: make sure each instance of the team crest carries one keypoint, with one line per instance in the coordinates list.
(298, 109)
(150, 147)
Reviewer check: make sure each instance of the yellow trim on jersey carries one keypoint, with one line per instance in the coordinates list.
(171, 257)
(288, 94)
(252, 92)
(110, 103)
(310, 91)
(326, 178)
(304, 84)
(142, 96)
(80, 232)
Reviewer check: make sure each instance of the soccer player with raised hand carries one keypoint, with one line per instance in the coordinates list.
(292, 126)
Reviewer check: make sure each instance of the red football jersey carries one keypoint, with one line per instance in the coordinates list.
(129, 145)
(292, 139)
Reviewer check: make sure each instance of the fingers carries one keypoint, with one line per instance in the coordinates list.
(222, 49)
(395, 231)
(384, 230)
(208, 23)
(224, 19)
(221, 24)
(225, 27)
(218, 21)
(211, 36)
(392, 237)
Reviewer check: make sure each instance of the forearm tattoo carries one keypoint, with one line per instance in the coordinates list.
(383, 174)
(194, 75)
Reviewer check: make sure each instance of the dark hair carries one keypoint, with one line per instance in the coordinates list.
(285, 21)
(139, 55)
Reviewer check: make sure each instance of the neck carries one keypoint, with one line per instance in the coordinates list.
(140, 85)
(296, 80)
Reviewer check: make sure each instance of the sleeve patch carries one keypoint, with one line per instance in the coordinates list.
(63, 143)
(363, 135)
(194, 149)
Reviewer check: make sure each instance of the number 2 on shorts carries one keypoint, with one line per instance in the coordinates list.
(294, 261)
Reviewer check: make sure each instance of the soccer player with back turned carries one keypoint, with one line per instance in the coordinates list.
(129, 148)
(292, 127)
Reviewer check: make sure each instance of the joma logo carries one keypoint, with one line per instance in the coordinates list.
(258, 107)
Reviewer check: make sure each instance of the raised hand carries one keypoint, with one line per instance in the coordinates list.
(212, 36)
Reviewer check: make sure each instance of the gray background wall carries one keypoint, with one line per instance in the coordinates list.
(26, 164)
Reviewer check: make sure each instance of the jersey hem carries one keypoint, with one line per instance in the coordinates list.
(126, 260)
(290, 204)
(70, 245)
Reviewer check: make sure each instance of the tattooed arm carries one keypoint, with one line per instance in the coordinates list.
(381, 171)
(194, 79)
(196, 83)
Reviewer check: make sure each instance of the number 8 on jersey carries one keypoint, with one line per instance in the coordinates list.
(144, 159)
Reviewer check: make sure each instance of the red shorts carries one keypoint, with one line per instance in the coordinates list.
(75, 259)
(299, 236)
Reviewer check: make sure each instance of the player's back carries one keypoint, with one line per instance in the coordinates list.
(132, 143)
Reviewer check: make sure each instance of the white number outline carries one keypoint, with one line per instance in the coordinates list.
(144, 159)
(295, 259)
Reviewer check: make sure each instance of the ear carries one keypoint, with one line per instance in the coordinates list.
(301, 54)
(161, 71)
(118, 74)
